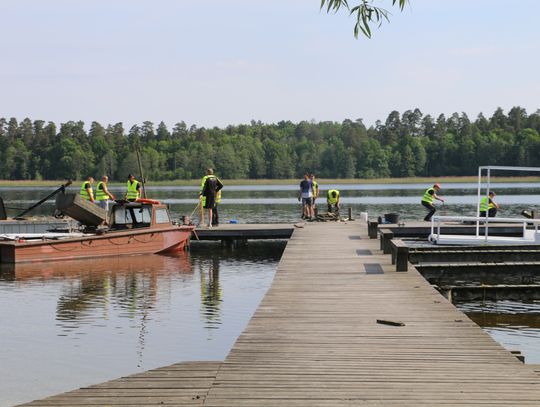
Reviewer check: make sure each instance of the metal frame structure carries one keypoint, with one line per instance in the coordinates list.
(488, 169)
(486, 219)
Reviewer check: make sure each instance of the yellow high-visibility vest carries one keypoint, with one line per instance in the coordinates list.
(427, 196)
(132, 191)
(484, 205)
(84, 192)
(330, 199)
(100, 193)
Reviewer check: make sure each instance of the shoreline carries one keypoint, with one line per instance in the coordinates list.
(293, 181)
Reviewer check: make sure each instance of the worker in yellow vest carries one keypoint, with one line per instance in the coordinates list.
(332, 199)
(210, 185)
(102, 193)
(133, 189)
(427, 200)
(490, 208)
(86, 189)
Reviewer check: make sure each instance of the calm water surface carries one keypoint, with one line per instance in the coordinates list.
(77, 323)
(73, 324)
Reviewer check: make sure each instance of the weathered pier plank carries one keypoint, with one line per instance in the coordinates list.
(182, 384)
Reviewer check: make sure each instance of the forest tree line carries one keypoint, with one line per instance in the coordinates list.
(404, 145)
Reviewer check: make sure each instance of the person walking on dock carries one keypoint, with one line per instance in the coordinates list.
(102, 193)
(306, 196)
(490, 208)
(210, 185)
(86, 190)
(133, 189)
(427, 200)
(332, 200)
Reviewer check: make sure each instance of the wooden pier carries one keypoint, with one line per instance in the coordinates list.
(340, 327)
(231, 232)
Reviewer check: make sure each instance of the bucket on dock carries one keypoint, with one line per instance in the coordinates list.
(363, 216)
(391, 218)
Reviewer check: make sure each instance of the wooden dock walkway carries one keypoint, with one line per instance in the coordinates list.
(315, 341)
(181, 384)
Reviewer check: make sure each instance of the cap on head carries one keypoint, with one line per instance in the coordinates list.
(130, 176)
(209, 171)
(491, 193)
(437, 185)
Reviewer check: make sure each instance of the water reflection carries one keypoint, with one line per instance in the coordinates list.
(211, 293)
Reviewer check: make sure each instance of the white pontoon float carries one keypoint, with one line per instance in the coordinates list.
(529, 236)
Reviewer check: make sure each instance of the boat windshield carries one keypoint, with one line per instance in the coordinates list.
(127, 216)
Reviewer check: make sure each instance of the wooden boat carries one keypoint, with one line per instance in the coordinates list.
(135, 228)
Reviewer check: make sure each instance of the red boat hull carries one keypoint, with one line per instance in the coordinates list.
(113, 243)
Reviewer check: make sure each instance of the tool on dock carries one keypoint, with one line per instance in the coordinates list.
(191, 215)
(529, 215)
(61, 189)
(392, 323)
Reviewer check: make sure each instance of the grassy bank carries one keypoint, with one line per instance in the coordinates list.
(322, 181)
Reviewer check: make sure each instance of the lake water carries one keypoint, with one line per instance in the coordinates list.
(73, 324)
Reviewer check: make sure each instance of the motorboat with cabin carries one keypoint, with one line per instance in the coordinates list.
(128, 228)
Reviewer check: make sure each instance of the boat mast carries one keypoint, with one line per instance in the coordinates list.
(141, 172)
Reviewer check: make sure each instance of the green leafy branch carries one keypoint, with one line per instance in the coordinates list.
(366, 13)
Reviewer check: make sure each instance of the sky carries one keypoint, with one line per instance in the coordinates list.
(217, 63)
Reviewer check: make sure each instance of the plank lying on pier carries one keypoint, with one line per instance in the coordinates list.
(182, 384)
(315, 340)
(245, 231)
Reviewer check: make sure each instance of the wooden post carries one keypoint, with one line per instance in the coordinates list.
(386, 236)
(350, 214)
(400, 255)
(3, 214)
(372, 229)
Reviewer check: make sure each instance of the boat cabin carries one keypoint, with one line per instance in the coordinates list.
(133, 215)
